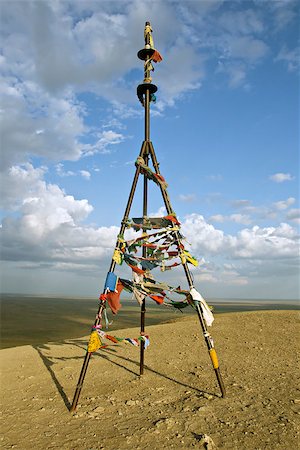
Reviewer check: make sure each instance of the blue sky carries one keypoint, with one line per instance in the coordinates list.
(225, 129)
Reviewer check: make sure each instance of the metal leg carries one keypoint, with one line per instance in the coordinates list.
(145, 212)
(211, 350)
(207, 337)
(111, 269)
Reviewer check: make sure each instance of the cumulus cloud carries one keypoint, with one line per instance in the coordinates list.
(18, 183)
(252, 243)
(281, 177)
(49, 225)
(33, 123)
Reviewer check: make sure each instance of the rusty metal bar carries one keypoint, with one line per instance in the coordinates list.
(188, 274)
(111, 269)
(145, 212)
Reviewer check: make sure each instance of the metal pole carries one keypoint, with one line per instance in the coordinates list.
(206, 335)
(111, 269)
(145, 212)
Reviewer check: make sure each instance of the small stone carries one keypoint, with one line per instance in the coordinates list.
(99, 409)
(207, 442)
(130, 403)
(208, 396)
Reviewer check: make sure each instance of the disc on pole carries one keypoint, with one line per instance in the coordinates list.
(145, 53)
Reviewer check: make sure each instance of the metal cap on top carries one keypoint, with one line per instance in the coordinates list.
(148, 54)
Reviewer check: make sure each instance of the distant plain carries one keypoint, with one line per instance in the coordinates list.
(31, 320)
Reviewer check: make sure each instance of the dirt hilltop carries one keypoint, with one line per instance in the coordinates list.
(175, 404)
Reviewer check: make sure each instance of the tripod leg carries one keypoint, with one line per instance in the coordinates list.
(111, 269)
(80, 381)
(211, 350)
(207, 337)
(145, 212)
(143, 313)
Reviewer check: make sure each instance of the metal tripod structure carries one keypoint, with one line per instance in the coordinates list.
(145, 92)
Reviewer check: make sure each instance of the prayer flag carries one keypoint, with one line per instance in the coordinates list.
(113, 298)
(94, 342)
(156, 57)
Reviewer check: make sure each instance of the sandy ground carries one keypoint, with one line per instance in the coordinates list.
(174, 404)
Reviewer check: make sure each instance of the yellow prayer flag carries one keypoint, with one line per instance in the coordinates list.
(191, 259)
(117, 256)
(94, 342)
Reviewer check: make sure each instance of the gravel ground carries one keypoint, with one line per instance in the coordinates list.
(175, 405)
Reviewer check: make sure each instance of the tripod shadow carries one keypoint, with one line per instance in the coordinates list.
(48, 364)
(109, 354)
(149, 369)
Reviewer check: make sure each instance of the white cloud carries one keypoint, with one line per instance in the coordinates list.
(218, 218)
(85, 174)
(88, 53)
(202, 236)
(103, 143)
(33, 123)
(237, 218)
(20, 182)
(61, 172)
(280, 177)
(240, 218)
(265, 243)
(161, 212)
(284, 204)
(48, 227)
(249, 243)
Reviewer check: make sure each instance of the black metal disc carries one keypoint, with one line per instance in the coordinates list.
(142, 88)
(144, 53)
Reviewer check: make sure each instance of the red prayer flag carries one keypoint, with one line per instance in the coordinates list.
(111, 338)
(113, 298)
(137, 269)
(156, 57)
(157, 298)
(173, 219)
